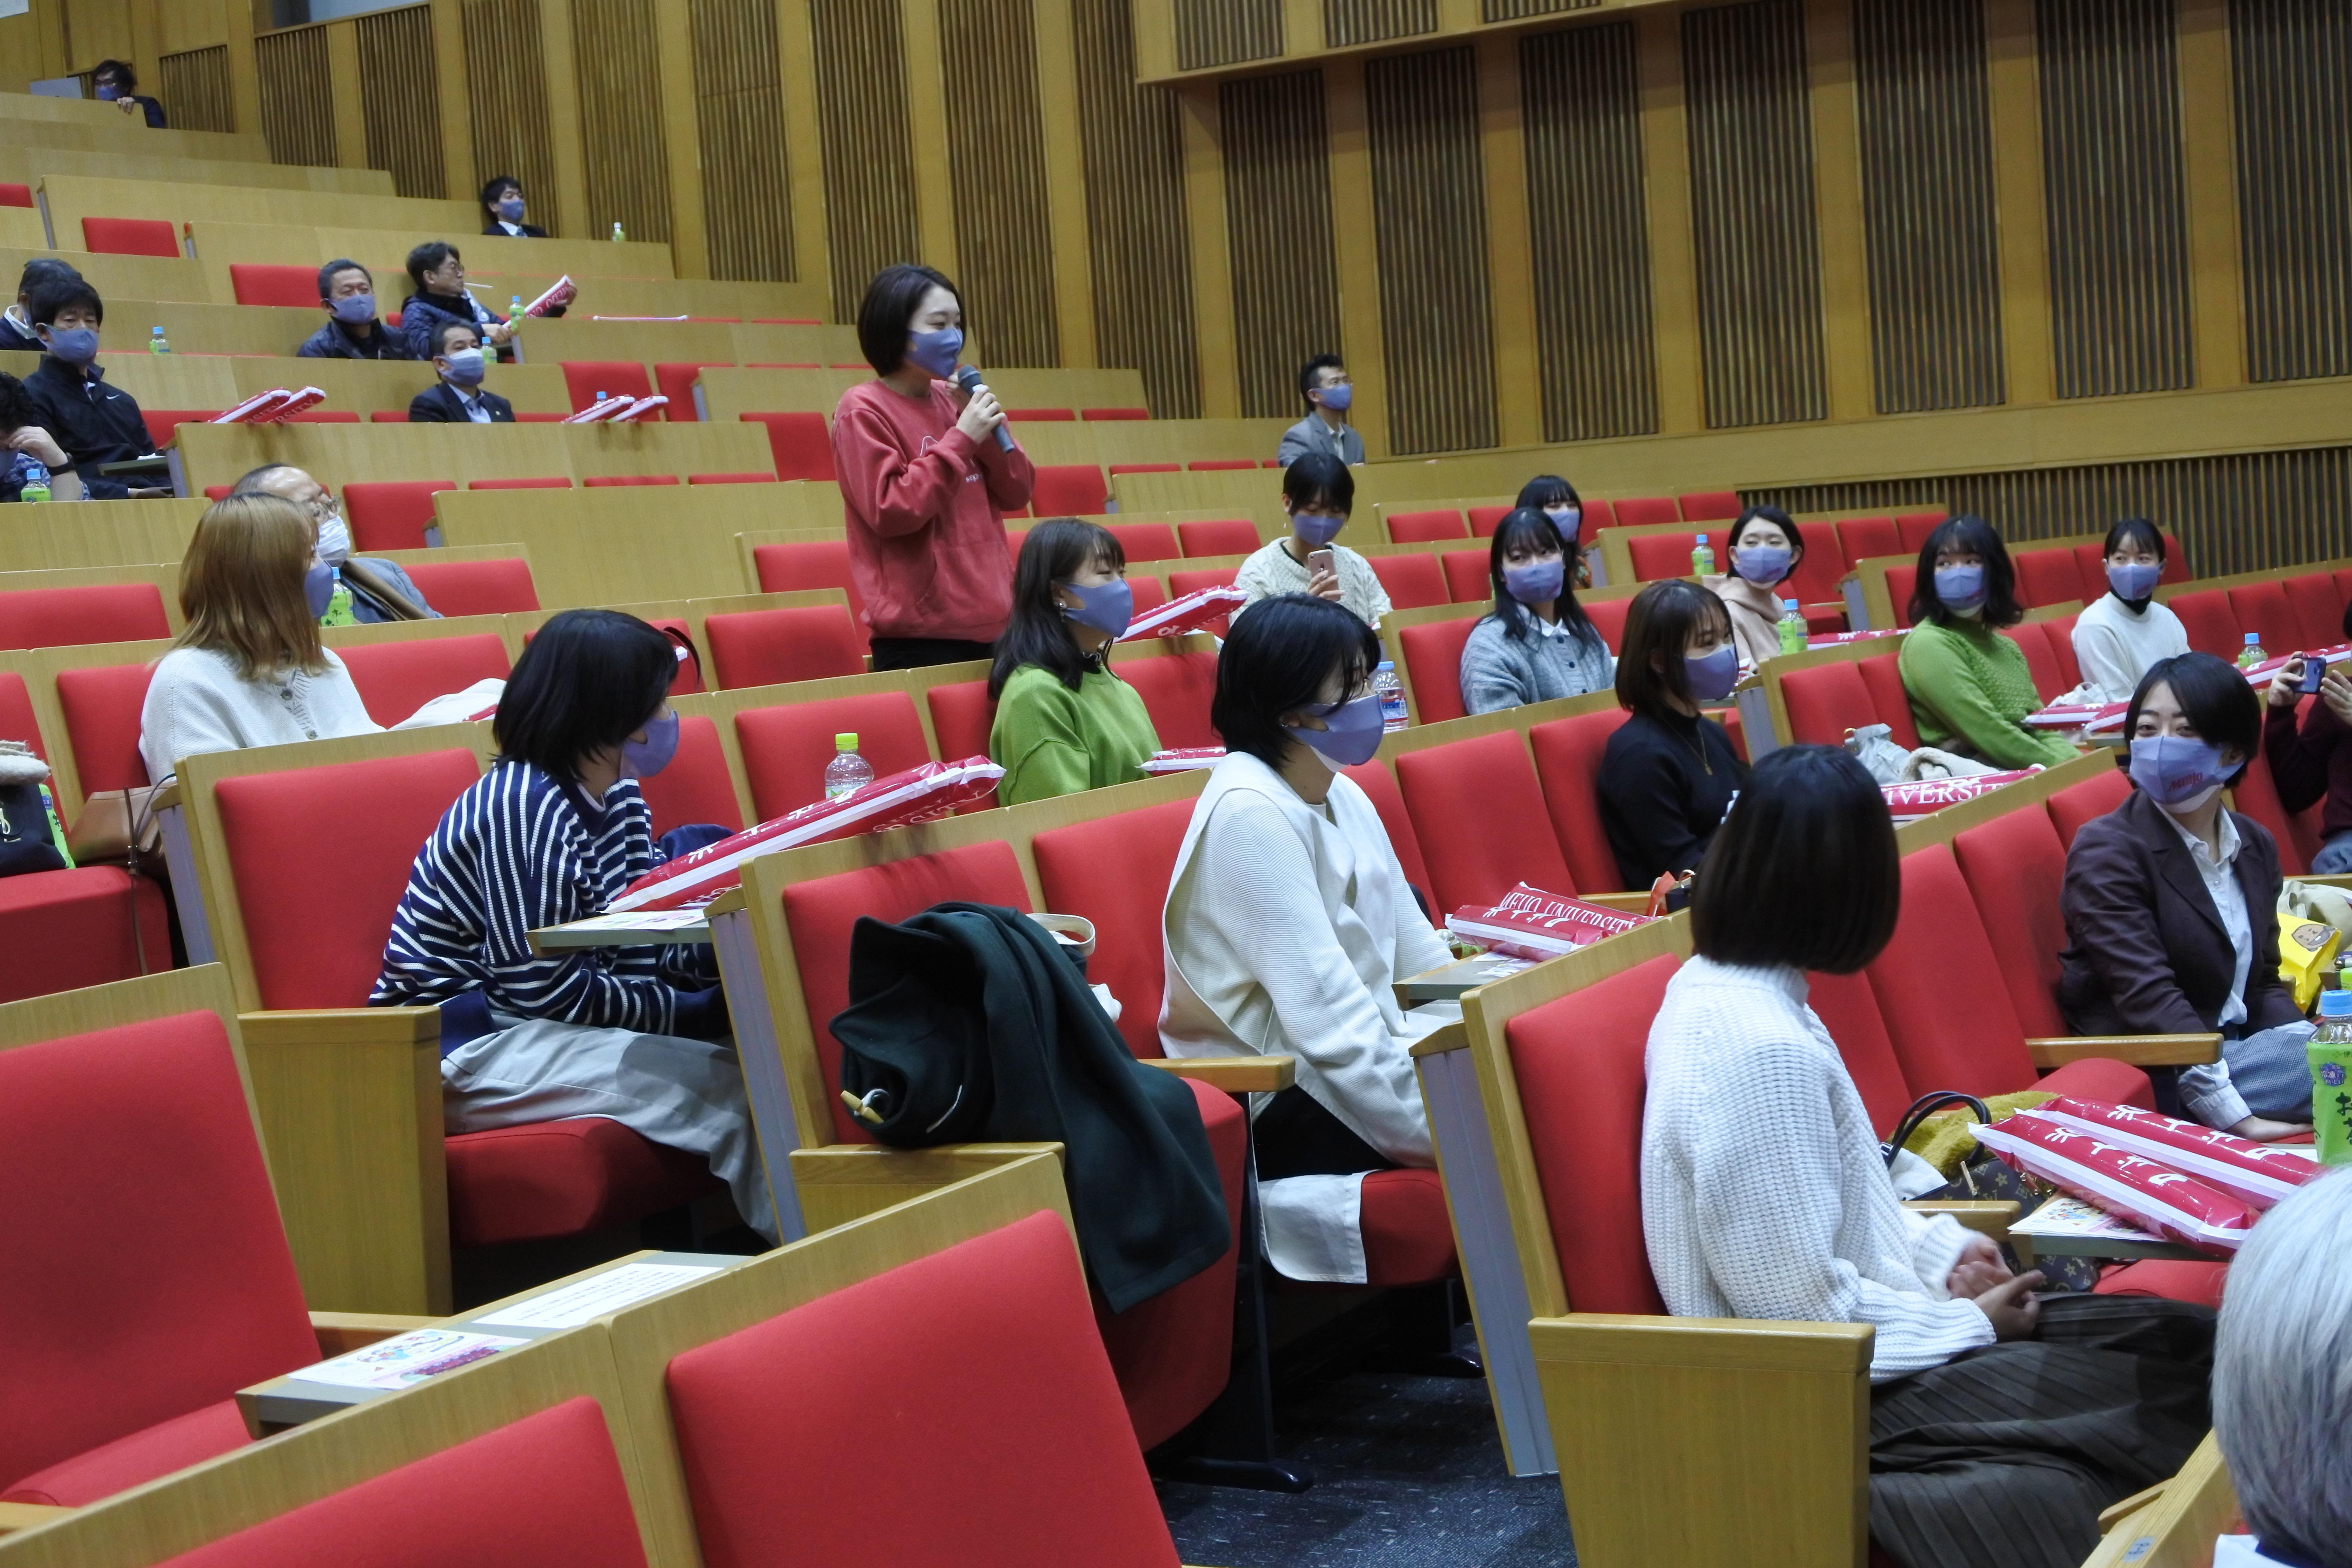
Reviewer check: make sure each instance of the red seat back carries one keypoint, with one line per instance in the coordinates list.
(1226, 536)
(1578, 1062)
(1646, 512)
(317, 941)
(1709, 506)
(163, 424)
(746, 478)
(2264, 609)
(15, 195)
(620, 481)
(2090, 572)
(1660, 555)
(2060, 631)
(696, 786)
(102, 706)
(1118, 468)
(2078, 804)
(1219, 466)
(147, 1276)
(2257, 796)
(584, 380)
(1861, 538)
(548, 482)
(1485, 520)
(676, 378)
(1568, 754)
(1815, 580)
(802, 449)
(391, 515)
(1412, 582)
(1848, 1009)
(2209, 622)
(1825, 702)
(768, 647)
(1901, 583)
(808, 563)
(2046, 577)
(821, 912)
(961, 718)
(1052, 415)
(1914, 527)
(1466, 580)
(1607, 618)
(1380, 786)
(17, 720)
(131, 236)
(2016, 869)
(1882, 674)
(1433, 661)
(2311, 597)
(1419, 527)
(2034, 638)
(1068, 489)
(475, 587)
(1147, 540)
(61, 618)
(264, 283)
(1182, 583)
(1176, 689)
(1940, 952)
(1475, 856)
(1116, 871)
(786, 748)
(397, 678)
(1149, 594)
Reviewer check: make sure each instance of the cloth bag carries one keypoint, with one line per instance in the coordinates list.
(29, 837)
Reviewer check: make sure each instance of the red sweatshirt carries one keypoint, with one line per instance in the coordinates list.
(925, 512)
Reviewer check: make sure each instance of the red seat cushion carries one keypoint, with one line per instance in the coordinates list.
(2099, 1077)
(101, 705)
(131, 236)
(137, 1457)
(2015, 867)
(585, 379)
(1115, 871)
(1411, 582)
(163, 423)
(955, 1351)
(803, 450)
(1848, 1009)
(397, 678)
(1068, 489)
(1882, 674)
(475, 587)
(563, 1178)
(1375, 780)
(1607, 618)
(2209, 622)
(59, 617)
(807, 563)
(1432, 663)
(1408, 1234)
(1421, 527)
(623, 481)
(786, 748)
(1466, 578)
(768, 647)
(550, 482)
(2078, 804)
(1709, 506)
(2175, 1279)
(89, 926)
(676, 378)
(2046, 577)
(1227, 536)
(1815, 580)
(15, 195)
(1940, 952)
(1826, 700)
(1568, 754)
(1176, 689)
(2040, 664)
(1660, 555)
(1475, 856)
(961, 718)
(265, 283)
(696, 786)
(1867, 538)
(544, 1489)
(1147, 541)
(1115, 413)
(1646, 512)
(391, 515)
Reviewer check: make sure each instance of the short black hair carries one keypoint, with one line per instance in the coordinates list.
(1527, 527)
(61, 294)
(43, 269)
(890, 302)
(119, 69)
(447, 324)
(495, 184)
(1659, 622)
(1804, 871)
(1052, 552)
(342, 264)
(16, 407)
(2135, 530)
(2217, 699)
(1548, 490)
(1971, 534)
(588, 680)
(1313, 368)
(425, 258)
(1318, 479)
(1277, 657)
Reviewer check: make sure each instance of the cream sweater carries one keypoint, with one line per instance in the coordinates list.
(1763, 1193)
(198, 702)
(2114, 647)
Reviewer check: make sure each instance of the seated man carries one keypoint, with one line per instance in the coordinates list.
(380, 590)
(114, 82)
(15, 327)
(438, 277)
(458, 399)
(94, 423)
(347, 294)
(33, 453)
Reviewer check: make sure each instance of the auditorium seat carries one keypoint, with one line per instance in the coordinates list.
(585, 381)
(802, 449)
(1433, 665)
(1475, 856)
(163, 424)
(623, 481)
(397, 678)
(1657, 556)
(1710, 506)
(15, 195)
(101, 705)
(1115, 871)
(1380, 786)
(2015, 868)
(1914, 527)
(786, 748)
(1182, 583)
(2264, 609)
(1115, 413)
(2256, 795)
(1815, 580)
(1848, 1009)
(131, 237)
(1867, 538)
(802, 564)
(391, 515)
(2075, 804)
(1568, 753)
(1882, 673)
(2312, 598)
(1118, 468)
(59, 617)
(1176, 689)
(768, 647)
(1228, 536)
(675, 379)
(697, 785)
(497, 587)
(1424, 527)
(961, 718)
(1068, 489)
(1901, 581)
(322, 416)
(1220, 464)
(741, 479)
(1825, 702)
(1607, 618)
(2210, 624)
(1411, 582)
(1466, 578)
(1147, 591)
(2040, 662)
(550, 482)
(2046, 577)
(1646, 512)
(1145, 540)
(2060, 630)
(264, 283)
(1485, 520)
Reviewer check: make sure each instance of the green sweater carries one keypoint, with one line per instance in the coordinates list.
(1050, 740)
(1969, 686)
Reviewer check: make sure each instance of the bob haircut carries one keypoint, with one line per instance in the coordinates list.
(1527, 528)
(1313, 369)
(1276, 660)
(1318, 479)
(1804, 871)
(2218, 702)
(890, 302)
(61, 294)
(1658, 624)
(1548, 490)
(496, 186)
(1054, 552)
(588, 681)
(241, 587)
(1973, 535)
(427, 258)
(2135, 530)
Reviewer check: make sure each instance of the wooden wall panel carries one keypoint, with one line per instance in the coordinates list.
(1515, 10)
(869, 165)
(400, 97)
(2293, 111)
(2117, 214)
(298, 103)
(1580, 90)
(1752, 213)
(738, 107)
(194, 86)
(626, 157)
(996, 163)
(1278, 235)
(1347, 22)
(505, 91)
(1132, 140)
(1928, 213)
(1227, 32)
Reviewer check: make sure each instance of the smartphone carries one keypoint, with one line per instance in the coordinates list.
(1321, 560)
(2314, 670)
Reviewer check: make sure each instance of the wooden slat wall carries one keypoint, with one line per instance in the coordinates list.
(738, 108)
(620, 128)
(869, 165)
(1227, 32)
(996, 161)
(1513, 10)
(1588, 231)
(2294, 108)
(298, 101)
(1278, 222)
(195, 84)
(506, 87)
(1347, 22)
(400, 97)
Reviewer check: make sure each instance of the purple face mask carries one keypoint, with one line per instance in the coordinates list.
(643, 758)
(1713, 675)
(319, 588)
(2177, 770)
(1351, 735)
(1107, 607)
(1317, 530)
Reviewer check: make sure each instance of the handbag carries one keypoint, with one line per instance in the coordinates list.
(1984, 1177)
(30, 839)
(120, 828)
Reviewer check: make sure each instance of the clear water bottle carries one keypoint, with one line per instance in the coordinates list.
(514, 310)
(1701, 558)
(1390, 691)
(155, 343)
(847, 773)
(339, 605)
(37, 481)
(2329, 1051)
(2251, 654)
(1793, 629)
(617, 234)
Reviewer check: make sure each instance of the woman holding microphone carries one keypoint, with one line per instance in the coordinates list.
(924, 481)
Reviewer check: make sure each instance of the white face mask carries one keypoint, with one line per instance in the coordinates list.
(334, 539)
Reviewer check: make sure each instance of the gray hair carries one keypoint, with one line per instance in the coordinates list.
(2282, 1372)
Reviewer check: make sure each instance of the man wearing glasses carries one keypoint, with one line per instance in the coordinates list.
(378, 590)
(1323, 383)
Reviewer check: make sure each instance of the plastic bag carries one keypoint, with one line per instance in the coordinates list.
(1188, 614)
(1533, 924)
(2258, 1172)
(1878, 754)
(1181, 759)
(2117, 1181)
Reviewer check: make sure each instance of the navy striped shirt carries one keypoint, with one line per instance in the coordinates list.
(516, 852)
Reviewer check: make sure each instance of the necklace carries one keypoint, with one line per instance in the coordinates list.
(1697, 741)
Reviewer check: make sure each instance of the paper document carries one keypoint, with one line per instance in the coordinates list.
(2062, 1216)
(593, 1297)
(405, 1360)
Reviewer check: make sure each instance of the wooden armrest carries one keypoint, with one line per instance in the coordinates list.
(2110, 1516)
(167, 797)
(843, 1182)
(2332, 880)
(1751, 1344)
(352, 1025)
(1632, 904)
(340, 1332)
(1991, 1218)
(1234, 1074)
(26, 1515)
(2140, 1050)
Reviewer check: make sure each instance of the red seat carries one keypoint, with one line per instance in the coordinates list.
(1848, 1009)
(398, 416)
(2016, 869)
(1068, 489)
(148, 1277)
(1568, 753)
(397, 678)
(2060, 630)
(676, 378)
(101, 704)
(1176, 689)
(1424, 527)
(2078, 804)
(619, 481)
(696, 786)
(1662, 555)
(1815, 580)
(1646, 512)
(1378, 784)
(785, 749)
(1466, 578)
(1607, 618)
(2091, 573)
(1115, 413)
(1147, 540)
(2312, 598)
(1867, 537)
(2034, 639)
(61, 618)
(586, 380)
(533, 416)
(1411, 582)
(1149, 593)
(1596, 515)
(15, 195)
(1826, 700)
(961, 718)
(2209, 622)
(808, 563)
(1485, 520)
(1408, 1233)
(2046, 577)
(802, 449)
(2257, 796)
(265, 283)
(132, 236)
(391, 515)
(1914, 527)
(768, 647)
(163, 423)
(1051, 416)
(1115, 871)
(1475, 856)
(1901, 582)
(321, 415)
(1710, 506)
(571, 1177)
(1220, 464)
(744, 479)
(475, 587)
(1182, 583)
(89, 926)
(1118, 468)
(1882, 674)
(1432, 663)
(1229, 536)
(550, 483)
(2264, 609)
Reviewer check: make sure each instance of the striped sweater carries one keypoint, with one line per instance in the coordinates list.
(517, 851)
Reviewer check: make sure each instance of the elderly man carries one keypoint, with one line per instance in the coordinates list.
(347, 293)
(380, 590)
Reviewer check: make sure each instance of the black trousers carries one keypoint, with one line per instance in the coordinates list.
(913, 653)
(1296, 1136)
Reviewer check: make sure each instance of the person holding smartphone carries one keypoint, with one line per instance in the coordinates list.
(1318, 493)
(2313, 762)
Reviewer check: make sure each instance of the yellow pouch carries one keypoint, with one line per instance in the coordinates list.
(1945, 1141)
(2306, 952)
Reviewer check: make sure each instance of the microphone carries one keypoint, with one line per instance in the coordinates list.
(968, 379)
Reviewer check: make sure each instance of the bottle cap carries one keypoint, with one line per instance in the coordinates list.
(2336, 1003)
(1385, 664)
(2252, 637)
(1702, 539)
(844, 742)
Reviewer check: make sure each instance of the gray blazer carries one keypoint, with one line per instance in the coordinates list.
(1311, 434)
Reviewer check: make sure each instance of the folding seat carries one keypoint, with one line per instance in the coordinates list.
(550, 482)
(100, 704)
(1432, 664)
(1051, 416)
(1815, 580)
(1485, 520)
(2343, 581)
(1115, 413)
(2040, 662)
(1118, 468)
(1914, 527)
(1422, 527)
(320, 416)
(1568, 753)
(1477, 852)
(1220, 464)
(1901, 581)
(697, 785)
(1229, 536)
(1882, 674)
(1607, 618)
(397, 678)
(1662, 555)
(1598, 515)
(131, 237)
(807, 563)
(1825, 702)
(2297, 837)
(59, 617)
(2091, 572)
(2015, 868)
(2060, 631)
(1176, 689)
(786, 749)
(1375, 780)
(475, 587)
(587, 379)
(676, 380)
(2046, 577)
(961, 718)
(1863, 538)
(618, 481)
(1116, 871)
(262, 283)
(163, 423)
(2176, 563)
(15, 195)
(2311, 597)
(1466, 578)
(391, 515)
(1710, 506)
(398, 416)
(1412, 582)
(1182, 583)
(802, 449)
(1149, 593)
(1067, 490)
(1645, 511)
(2268, 610)
(1848, 1009)
(2078, 804)
(1147, 540)
(742, 478)
(768, 648)
(2210, 622)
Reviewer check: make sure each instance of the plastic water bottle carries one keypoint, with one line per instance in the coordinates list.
(339, 605)
(617, 234)
(37, 481)
(1701, 558)
(1390, 691)
(514, 310)
(1793, 629)
(2251, 654)
(847, 773)
(155, 343)
(2329, 1051)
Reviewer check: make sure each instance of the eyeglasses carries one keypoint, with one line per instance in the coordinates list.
(322, 507)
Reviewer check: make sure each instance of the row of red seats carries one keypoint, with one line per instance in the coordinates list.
(1426, 527)
(2049, 577)
(803, 450)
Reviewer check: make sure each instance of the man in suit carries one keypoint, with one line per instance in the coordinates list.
(1323, 383)
(458, 399)
(381, 590)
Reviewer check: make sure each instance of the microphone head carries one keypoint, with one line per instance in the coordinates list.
(967, 377)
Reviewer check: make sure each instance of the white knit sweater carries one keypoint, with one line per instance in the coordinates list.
(1763, 1193)
(197, 703)
(2114, 645)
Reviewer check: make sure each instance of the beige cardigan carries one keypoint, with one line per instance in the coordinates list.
(1755, 614)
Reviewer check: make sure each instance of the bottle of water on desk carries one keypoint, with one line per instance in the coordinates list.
(155, 343)
(1701, 558)
(2329, 1052)
(36, 486)
(617, 234)
(2251, 654)
(1390, 691)
(849, 772)
(1793, 629)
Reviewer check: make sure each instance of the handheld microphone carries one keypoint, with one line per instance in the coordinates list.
(968, 378)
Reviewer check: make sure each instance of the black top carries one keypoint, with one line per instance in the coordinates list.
(93, 422)
(19, 341)
(147, 106)
(530, 231)
(1665, 787)
(437, 405)
(335, 341)
(422, 314)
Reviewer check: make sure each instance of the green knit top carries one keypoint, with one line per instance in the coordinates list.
(1051, 740)
(1969, 686)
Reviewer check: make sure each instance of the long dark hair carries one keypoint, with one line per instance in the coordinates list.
(1055, 551)
(1548, 490)
(1974, 536)
(1527, 527)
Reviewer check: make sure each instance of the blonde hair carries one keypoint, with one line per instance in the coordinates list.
(241, 586)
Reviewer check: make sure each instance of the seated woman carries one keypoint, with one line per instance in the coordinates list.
(2118, 638)
(34, 455)
(1288, 919)
(1318, 493)
(550, 834)
(1557, 499)
(2314, 763)
(1670, 771)
(249, 669)
(2001, 1424)
(1536, 643)
(1763, 553)
(1063, 721)
(437, 277)
(1969, 684)
(2172, 906)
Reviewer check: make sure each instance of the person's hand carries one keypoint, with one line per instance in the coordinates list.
(2261, 1130)
(2336, 690)
(2012, 1307)
(130, 106)
(2284, 682)
(1980, 1267)
(502, 334)
(982, 414)
(1325, 584)
(40, 444)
